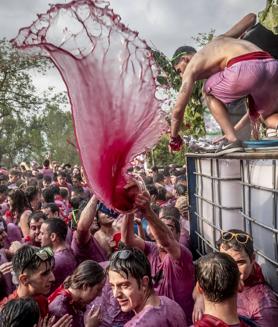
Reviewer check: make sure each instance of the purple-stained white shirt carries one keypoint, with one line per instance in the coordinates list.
(167, 314)
(260, 304)
(89, 251)
(177, 280)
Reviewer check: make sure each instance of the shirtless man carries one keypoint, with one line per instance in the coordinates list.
(234, 69)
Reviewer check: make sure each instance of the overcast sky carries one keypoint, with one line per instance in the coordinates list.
(166, 24)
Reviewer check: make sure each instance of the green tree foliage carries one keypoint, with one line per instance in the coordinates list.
(193, 123)
(24, 134)
(58, 131)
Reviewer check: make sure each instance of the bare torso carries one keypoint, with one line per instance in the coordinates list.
(214, 57)
(105, 240)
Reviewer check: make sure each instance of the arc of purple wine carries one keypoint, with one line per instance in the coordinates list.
(110, 76)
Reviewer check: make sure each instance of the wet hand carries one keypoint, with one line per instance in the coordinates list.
(198, 309)
(143, 202)
(6, 268)
(93, 318)
(175, 143)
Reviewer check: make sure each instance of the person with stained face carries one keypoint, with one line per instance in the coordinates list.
(129, 274)
(171, 262)
(77, 291)
(218, 280)
(53, 233)
(33, 270)
(35, 221)
(256, 300)
(84, 244)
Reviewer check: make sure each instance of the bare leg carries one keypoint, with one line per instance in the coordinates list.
(272, 121)
(220, 113)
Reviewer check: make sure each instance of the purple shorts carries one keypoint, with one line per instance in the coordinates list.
(256, 78)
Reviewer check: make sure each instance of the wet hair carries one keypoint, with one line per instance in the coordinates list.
(31, 192)
(152, 189)
(131, 262)
(170, 212)
(14, 172)
(158, 178)
(64, 192)
(181, 51)
(4, 189)
(58, 227)
(166, 172)
(181, 189)
(181, 178)
(52, 206)
(75, 202)
(19, 201)
(48, 195)
(26, 259)
(175, 221)
(161, 193)
(55, 189)
(148, 180)
(21, 312)
(218, 276)
(77, 189)
(36, 216)
(46, 163)
(89, 273)
(62, 174)
(78, 177)
(233, 244)
(47, 179)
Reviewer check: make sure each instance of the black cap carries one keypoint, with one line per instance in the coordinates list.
(184, 50)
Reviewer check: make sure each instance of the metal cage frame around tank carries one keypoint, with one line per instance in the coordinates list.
(200, 244)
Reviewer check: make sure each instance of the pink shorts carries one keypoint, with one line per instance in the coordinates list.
(256, 78)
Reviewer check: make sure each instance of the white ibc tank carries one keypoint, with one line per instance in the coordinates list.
(260, 182)
(218, 196)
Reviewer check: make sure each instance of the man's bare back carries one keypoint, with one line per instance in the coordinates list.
(214, 56)
(258, 81)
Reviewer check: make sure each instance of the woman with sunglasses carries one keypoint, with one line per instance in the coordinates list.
(256, 300)
(77, 291)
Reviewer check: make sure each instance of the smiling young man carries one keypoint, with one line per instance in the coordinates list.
(129, 274)
(171, 263)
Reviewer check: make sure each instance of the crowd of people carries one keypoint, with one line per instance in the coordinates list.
(68, 260)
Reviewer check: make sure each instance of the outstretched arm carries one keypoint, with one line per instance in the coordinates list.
(160, 231)
(182, 101)
(127, 234)
(242, 26)
(86, 220)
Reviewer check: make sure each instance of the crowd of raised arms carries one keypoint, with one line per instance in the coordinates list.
(68, 260)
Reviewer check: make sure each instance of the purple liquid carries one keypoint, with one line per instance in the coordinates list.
(110, 77)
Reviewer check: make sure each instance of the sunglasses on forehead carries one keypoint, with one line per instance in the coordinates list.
(44, 254)
(122, 254)
(239, 237)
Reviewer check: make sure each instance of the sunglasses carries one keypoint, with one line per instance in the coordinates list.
(44, 254)
(122, 254)
(241, 238)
